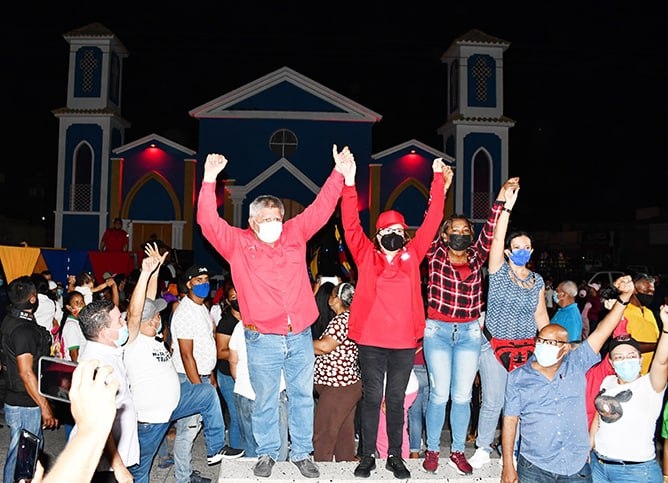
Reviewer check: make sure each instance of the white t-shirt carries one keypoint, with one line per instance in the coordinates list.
(242, 384)
(630, 434)
(86, 292)
(72, 336)
(192, 321)
(47, 310)
(154, 383)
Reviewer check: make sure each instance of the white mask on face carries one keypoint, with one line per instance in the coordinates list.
(546, 354)
(270, 231)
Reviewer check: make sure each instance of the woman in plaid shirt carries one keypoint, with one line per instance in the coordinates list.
(452, 337)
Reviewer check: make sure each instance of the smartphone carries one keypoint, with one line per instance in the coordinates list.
(26, 456)
(55, 378)
(333, 280)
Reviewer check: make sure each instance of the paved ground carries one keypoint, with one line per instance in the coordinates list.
(240, 470)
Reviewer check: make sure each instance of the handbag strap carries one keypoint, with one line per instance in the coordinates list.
(486, 333)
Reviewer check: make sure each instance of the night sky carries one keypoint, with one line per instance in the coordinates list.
(585, 84)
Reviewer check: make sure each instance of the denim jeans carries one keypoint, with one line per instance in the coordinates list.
(648, 472)
(418, 410)
(268, 355)
(17, 418)
(493, 378)
(226, 388)
(375, 363)
(245, 411)
(187, 427)
(451, 351)
(530, 473)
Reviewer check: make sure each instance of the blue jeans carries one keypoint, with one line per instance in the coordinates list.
(375, 363)
(18, 418)
(245, 411)
(530, 473)
(268, 355)
(418, 410)
(189, 422)
(226, 388)
(451, 351)
(648, 472)
(493, 378)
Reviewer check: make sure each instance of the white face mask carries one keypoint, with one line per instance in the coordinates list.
(546, 354)
(270, 231)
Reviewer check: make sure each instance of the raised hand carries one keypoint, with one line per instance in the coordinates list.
(213, 165)
(345, 164)
(440, 166)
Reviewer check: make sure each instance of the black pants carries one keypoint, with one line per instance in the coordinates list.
(375, 362)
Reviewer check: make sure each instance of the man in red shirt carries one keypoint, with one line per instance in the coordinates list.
(115, 238)
(268, 265)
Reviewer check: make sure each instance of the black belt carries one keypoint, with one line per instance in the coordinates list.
(617, 462)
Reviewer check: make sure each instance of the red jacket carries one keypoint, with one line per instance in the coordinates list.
(388, 308)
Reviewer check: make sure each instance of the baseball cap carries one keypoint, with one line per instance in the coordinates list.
(107, 275)
(152, 307)
(595, 286)
(389, 218)
(624, 339)
(195, 271)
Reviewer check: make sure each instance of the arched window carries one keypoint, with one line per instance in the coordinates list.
(283, 143)
(482, 186)
(81, 192)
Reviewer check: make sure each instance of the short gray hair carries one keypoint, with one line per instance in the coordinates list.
(265, 201)
(570, 287)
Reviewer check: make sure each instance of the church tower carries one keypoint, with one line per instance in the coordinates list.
(90, 127)
(476, 131)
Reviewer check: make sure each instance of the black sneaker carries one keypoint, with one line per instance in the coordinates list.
(225, 452)
(396, 465)
(263, 466)
(307, 468)
(366, 466)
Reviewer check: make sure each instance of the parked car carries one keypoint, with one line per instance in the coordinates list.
(603, 277)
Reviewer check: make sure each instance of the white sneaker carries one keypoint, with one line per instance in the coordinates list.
(479, 459)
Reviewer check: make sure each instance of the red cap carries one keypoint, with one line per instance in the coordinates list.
(389, 218)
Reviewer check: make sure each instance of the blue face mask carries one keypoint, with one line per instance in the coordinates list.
(628, 369)
(555, 297)
(123, 334)
(520, 257)
(202, 290)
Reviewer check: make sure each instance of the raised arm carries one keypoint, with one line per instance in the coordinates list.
(606, 326)
(658, 371)
(499, 239)
(148, 265)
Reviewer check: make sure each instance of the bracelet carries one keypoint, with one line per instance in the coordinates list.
(622, 302)
(507, 210)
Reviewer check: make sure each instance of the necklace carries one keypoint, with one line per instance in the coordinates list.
(527, 282)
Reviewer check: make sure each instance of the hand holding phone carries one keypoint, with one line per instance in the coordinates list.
(27, 454)
(54, 377)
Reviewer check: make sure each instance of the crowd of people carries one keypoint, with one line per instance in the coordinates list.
(279, 367)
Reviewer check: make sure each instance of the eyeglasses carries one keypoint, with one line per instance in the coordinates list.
(387, 231)
(269, 219)
(556, 342)
(621, 357)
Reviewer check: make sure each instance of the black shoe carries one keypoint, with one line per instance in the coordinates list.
(396, 465)
(366, 466)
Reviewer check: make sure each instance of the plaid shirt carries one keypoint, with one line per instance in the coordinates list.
(449, 297)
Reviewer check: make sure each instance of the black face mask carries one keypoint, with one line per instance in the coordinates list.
(460, 242)
(234, 304)
(645, 299)
(392, 242)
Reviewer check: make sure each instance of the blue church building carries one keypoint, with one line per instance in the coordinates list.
(277, 132)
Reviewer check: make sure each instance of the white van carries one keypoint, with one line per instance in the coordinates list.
(604, 277)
